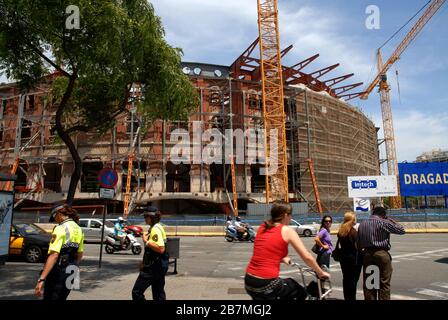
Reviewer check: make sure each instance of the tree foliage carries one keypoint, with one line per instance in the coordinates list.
(119, 43)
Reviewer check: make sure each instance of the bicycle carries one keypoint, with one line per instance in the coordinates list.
(312, 294)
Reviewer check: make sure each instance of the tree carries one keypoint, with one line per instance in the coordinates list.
(118, 43)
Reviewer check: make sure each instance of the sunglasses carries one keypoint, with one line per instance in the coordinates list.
(328, 221)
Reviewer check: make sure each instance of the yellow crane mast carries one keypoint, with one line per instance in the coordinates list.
(127, 195)
(273, 107)
(235, 198)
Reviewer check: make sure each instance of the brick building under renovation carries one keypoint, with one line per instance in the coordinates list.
(338, 137)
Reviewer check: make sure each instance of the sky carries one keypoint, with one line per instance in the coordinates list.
(218, 31)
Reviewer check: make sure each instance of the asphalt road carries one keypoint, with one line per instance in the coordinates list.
(420, 263)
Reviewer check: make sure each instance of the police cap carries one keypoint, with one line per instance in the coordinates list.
(55, 210)
(150, 211)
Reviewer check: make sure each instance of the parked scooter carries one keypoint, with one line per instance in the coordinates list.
(233, 235)
(131, 243)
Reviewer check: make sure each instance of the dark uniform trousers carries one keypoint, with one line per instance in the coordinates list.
(383, 260)
(153, 276)
(55, 287)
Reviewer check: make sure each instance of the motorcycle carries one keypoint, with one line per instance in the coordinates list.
(233, 235)
(131, 243)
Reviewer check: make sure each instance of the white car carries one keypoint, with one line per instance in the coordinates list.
(306, 230)
(92, 229)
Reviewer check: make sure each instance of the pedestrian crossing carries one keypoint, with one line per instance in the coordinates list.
(420, 255)
(436, 291)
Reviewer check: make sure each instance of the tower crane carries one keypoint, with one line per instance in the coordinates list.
(276, 165)
(129, 176)
(381, 81)
(235, 199)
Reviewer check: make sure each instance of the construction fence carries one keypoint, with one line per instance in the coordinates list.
(423, 215)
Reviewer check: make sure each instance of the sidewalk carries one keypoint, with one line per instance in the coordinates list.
(18, 283)
(184, 287)
(177, 287)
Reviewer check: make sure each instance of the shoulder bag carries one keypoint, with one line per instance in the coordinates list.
(336, 254)
(315, 249)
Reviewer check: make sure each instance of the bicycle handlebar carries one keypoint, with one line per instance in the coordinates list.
(302, 268)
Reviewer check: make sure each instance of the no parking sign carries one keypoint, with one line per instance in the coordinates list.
(108, 178)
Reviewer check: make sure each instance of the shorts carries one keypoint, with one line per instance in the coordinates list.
(274, 289)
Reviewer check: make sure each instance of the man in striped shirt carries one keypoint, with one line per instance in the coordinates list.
(374, 240)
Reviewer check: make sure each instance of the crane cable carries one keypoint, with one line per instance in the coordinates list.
(405, 24)
(402, 27)
(398, 86)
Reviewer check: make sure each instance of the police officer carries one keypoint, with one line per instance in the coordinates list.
(64, 254)
(155, 259)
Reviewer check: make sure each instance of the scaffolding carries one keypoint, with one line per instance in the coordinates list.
(339, 139)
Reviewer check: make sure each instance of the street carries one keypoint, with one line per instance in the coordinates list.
(211, 268)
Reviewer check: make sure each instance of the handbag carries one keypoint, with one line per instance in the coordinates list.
(315, 249)
(336, 254)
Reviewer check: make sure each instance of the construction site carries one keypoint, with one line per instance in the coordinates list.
(323, 138)
(340, 139)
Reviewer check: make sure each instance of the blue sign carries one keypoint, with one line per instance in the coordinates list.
(364, 184)
(108, 178)
(423, 179)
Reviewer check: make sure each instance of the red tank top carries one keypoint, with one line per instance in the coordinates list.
(269, 250)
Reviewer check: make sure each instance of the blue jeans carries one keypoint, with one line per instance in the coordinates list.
(323, 258)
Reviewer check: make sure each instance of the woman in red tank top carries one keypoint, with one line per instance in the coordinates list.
(262, 280)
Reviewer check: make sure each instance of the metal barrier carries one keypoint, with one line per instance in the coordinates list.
(423, 215)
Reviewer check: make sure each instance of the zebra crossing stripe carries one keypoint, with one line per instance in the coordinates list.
(236, 268)
(407, 255)
(360, 295)
(440, 284)
(433, 293)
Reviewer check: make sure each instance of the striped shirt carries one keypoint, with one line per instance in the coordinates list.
(375, 232)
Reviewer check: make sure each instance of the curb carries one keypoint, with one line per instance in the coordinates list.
(334, 232)
(216, 234)
(195, 234)
(222, 234)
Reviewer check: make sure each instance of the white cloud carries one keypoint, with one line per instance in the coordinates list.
(418, 132)
(216, 31)
(314, 31)
(209, 31)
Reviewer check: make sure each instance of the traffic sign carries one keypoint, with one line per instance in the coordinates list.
(107, 194)
(108, 178)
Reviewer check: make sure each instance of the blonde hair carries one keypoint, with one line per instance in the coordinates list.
(347, 225)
